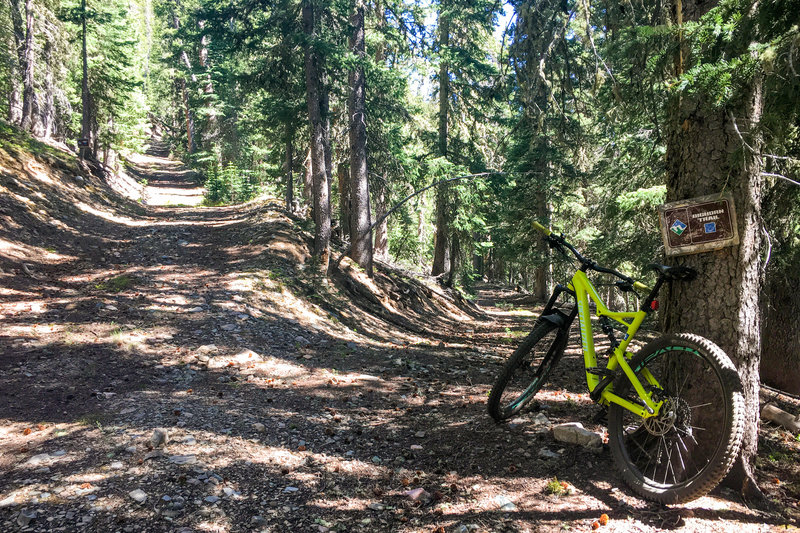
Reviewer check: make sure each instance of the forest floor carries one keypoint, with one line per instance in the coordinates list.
(285, 405)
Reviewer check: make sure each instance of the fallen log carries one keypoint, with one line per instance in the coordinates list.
(777, 415)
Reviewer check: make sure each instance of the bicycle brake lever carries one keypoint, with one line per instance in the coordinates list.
(624, 285)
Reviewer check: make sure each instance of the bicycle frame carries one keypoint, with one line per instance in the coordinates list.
(582, 289)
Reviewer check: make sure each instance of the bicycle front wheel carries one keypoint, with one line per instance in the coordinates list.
(686, 450)
(526, 370)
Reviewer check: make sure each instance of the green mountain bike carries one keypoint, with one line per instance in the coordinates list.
(675, 407)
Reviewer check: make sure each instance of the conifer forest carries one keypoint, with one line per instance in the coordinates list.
(378, 164)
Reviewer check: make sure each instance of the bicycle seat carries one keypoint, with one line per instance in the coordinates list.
(674, 273)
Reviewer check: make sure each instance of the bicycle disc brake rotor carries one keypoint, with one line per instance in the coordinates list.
(674, 413)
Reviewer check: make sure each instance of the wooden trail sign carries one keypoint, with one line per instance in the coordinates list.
(699, 224)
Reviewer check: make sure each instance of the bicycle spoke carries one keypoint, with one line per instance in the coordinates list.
(658, 460)
(680, 455)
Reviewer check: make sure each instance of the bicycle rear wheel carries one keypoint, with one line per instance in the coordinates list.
(687, 449)
(526, 370)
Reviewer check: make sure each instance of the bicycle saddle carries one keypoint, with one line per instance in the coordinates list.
(674, 273)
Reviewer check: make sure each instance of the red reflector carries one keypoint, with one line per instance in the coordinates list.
(654, 305)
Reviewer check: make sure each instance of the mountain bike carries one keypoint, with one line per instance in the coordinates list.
(675, 408)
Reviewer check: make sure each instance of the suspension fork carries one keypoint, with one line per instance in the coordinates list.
(556, 316)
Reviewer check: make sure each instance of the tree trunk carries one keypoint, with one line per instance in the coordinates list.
(441, 239)
(344, 198)
(441, 247)
(541, 277)
(48, 111)
(360, 217)
(86, 105)
(29, 104)
(289, 175)
(14, 69)
(316, 99)
(187, 108)
(381, 247)
(211, 130)
(189, 119)
(455, 258)
(706, 155)
(308, 180)
(780, 355)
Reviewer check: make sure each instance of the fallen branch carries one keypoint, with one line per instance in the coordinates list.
(782, 418)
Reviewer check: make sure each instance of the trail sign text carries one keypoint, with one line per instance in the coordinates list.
(699, 224)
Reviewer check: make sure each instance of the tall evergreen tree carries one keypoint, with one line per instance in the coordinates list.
(360, 219)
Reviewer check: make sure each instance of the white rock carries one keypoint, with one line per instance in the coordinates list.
(417, 494)
(183, 459)
(575, 433)
(25, 517)
(547, 454)
(247, 356)
(540, 420)
(159, 438)
(504, 504)
(258, 426)
(138, 495)
(38, 459)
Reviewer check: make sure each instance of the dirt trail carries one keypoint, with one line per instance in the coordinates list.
(169, 182)
(285, 407)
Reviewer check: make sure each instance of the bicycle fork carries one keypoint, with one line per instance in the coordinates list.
(556, 316)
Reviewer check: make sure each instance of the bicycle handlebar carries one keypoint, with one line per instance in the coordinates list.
(588, 264)
(542, 229)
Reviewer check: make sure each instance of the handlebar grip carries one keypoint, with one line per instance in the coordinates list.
(640, 286)
(542, 229)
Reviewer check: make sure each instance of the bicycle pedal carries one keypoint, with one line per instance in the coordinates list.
(598, 371)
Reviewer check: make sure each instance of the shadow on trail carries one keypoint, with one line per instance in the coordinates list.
(312, 401)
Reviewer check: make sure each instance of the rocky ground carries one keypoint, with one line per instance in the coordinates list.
(182, 370)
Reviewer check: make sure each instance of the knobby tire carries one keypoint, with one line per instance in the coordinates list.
(526, 370)
(686, 450)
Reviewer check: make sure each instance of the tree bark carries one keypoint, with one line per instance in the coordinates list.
(441, 247)
(707, 155)
(211, 131)
(441, 242)
(184, 89)
(308, 180)
(48, 112)
(29, 104)
(317, 99)
(541, 272)
(780, 355)
(289, 174)
(86, 104)
(343, 173)
(14, 68)
(381, 247)
(188, 116)
(360, 217)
